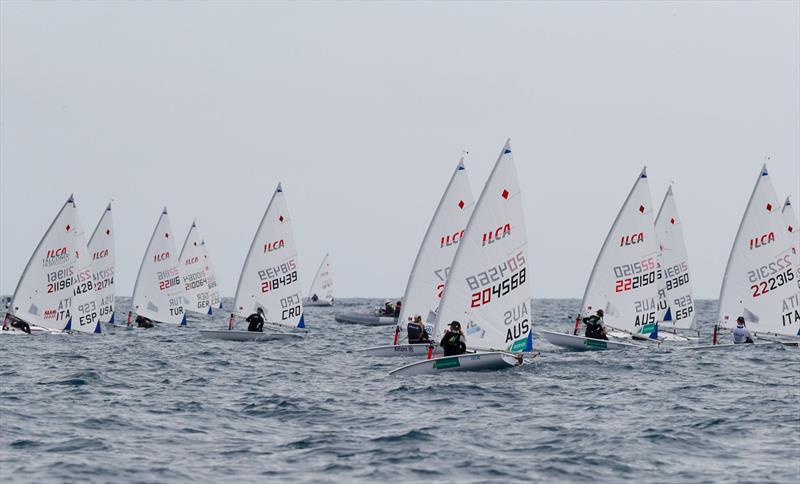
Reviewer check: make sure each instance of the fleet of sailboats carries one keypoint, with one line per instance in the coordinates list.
(472, 267)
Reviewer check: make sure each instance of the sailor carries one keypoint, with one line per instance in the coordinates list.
(397, 307)
(21, 325)
(416, 331)
(16, 323)
(595, 328)
(256, 321)
(143, 322)
(453, 342)
(388, 308)
(740, 333)
(314, 298)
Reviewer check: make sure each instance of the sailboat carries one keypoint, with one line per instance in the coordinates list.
(488, 288)
(55, 292)
(674, 283)
(426, 282)
(761, 280)
(268, 280)
(211, 276)
(158, 293)
(101, 247)
(194, 264)
(321, 292)
(623, 281)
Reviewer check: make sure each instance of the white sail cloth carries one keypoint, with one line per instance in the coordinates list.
(426, 281)
(488, 288)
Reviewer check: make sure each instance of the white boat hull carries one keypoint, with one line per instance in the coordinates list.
(581, 343)
(35, 331)
(401, 351)
(319, 303)
(495, 360)
(226, 335)
(729, 345)
(365, 319)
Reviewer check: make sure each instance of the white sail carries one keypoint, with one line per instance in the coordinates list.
(158, 293)
(488, 288)
(193, 273)
(623, 281)
(269, 275)
(322, 285)
(426, 281)
(760, 278)
(55, 290)
(85, 311)
(792, 228)
(213, 290)
(675, 285)
(101, 247)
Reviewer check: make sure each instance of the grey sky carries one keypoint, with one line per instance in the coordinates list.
(362, 111)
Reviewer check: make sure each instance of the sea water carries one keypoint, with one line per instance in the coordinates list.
(166, 405)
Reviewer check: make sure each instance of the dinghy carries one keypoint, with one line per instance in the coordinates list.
(581, 343)
(426, 281)
(365, 319)
(761, 280)
(321, 292)
(488, 288)
(623, 281)
(194, 263)
(101, 247)
(676, 302)
(268, 280)
(213, 290)
(158, 293)
(55, 292)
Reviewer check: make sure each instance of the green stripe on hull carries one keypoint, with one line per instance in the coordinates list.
(446, 363)
(595, 343)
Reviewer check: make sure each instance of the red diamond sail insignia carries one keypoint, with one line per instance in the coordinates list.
(769, 207)
(461, 204)
(672, 221)
(280, 218)
(504, 194)
(68, 227)
(641, 208)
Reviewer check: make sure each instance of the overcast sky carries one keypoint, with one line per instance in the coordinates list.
(362, 110)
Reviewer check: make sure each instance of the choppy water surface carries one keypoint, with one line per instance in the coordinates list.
(166, 405)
